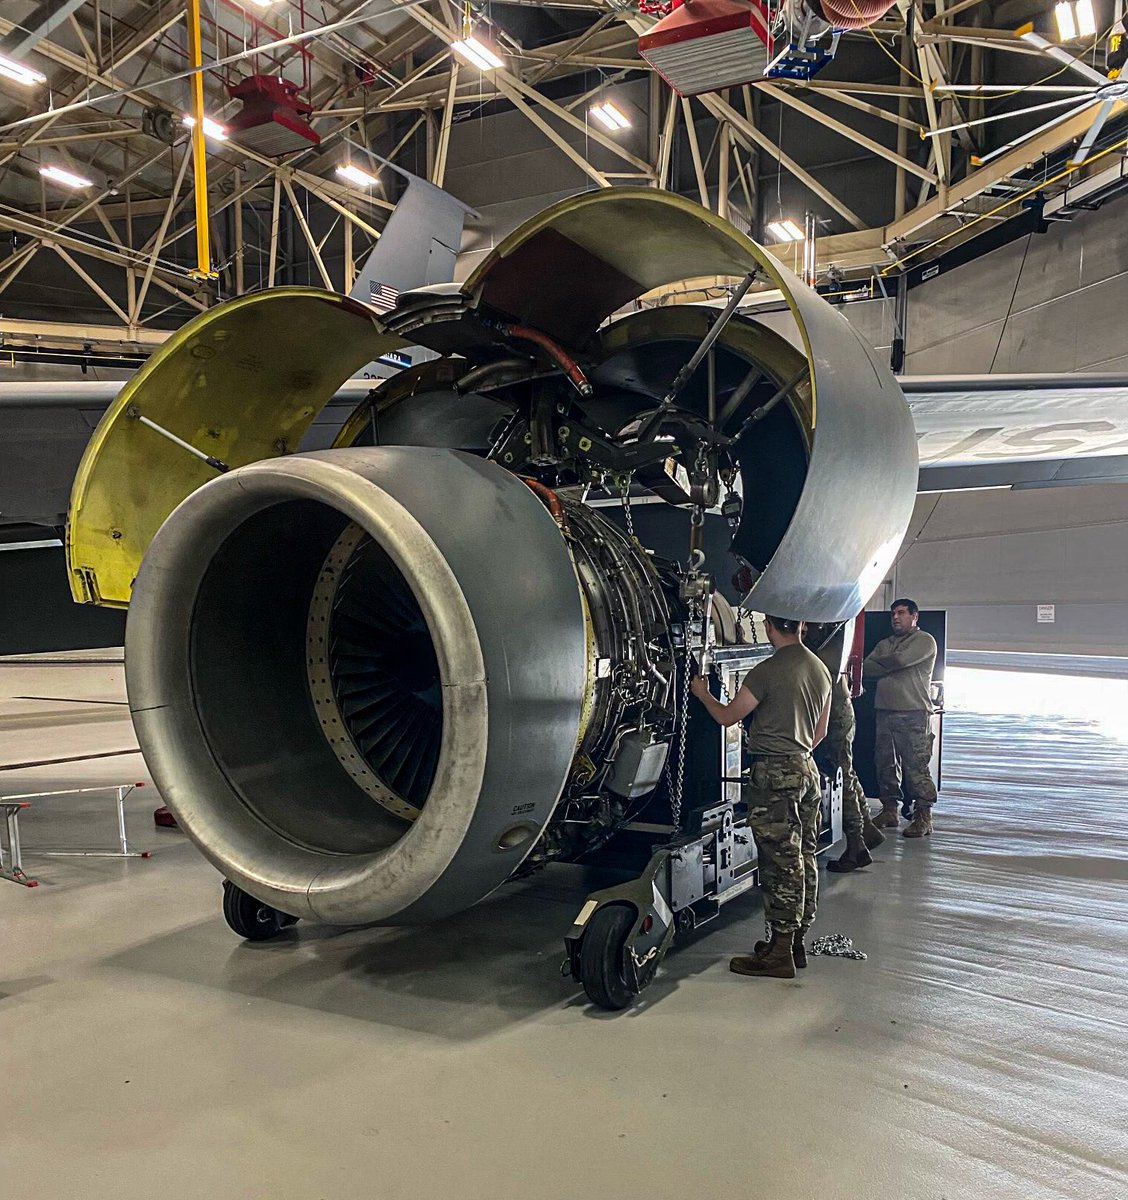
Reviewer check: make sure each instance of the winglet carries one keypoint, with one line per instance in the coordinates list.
(1023, 30)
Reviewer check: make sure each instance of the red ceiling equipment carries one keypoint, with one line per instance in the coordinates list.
(272, 120)
(705, 45)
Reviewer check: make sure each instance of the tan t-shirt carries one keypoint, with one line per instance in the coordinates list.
(792, 688)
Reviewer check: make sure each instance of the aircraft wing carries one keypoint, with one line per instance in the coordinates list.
(44, 429)
(1019, 431)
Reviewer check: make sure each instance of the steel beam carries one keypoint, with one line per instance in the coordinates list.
(695, 151)
(320, 263)
(37, 25)
(747, 132)
(93, 285)
(853, 135)
(557, 139)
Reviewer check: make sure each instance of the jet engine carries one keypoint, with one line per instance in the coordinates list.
(373, 682)
(370, 679)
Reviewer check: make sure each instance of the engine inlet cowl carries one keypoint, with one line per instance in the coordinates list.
(357, 677)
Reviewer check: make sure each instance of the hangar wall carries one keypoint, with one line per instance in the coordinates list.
(1047, 302)
(990, 557)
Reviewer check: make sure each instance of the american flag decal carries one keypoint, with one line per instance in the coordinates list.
(382, 296)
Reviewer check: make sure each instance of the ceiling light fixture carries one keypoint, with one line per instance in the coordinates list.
(1067, 26)
(607, 114)
(20, 72)
(1075, 19)
(355, 175)
(1086, 19)
(785, 230)
(66, 178)
(212, 129)
(477, 53)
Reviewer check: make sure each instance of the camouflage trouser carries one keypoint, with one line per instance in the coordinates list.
(901, 754)
(837, 750)
(783, 814)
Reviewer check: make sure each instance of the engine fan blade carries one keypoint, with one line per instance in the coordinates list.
(399, 761)
(417, 782)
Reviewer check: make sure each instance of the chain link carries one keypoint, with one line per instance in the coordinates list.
(836, 945)
(628, 516)
(683, 729)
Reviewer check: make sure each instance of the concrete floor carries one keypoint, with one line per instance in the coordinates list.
(980, 1051)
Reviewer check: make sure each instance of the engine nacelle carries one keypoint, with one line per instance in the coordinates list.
(363, 678)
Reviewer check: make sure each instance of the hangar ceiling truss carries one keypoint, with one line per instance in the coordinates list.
(386, 87)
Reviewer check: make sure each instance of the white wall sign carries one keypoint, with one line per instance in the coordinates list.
(1045, 614)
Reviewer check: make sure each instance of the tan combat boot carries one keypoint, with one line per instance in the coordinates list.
(888, 818)
(798, 950)
(871, 835)
(921, 824)
(777, 961)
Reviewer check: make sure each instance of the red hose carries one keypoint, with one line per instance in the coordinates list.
(551, 499)
(557, 353)
(853, 14)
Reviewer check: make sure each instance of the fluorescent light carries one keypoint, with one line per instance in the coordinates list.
(785, 230)
(1086, 21)
(355, 175)
(212, 129)
(477, 54)
(610, 116)
(67, 178)
(261, 3)
(1067, 26)
(20, 72)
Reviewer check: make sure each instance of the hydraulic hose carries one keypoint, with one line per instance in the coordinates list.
(557, 353)
(551, 500)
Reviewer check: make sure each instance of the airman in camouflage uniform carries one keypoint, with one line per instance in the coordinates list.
(790, 696)
(837, 751)
(902, 667)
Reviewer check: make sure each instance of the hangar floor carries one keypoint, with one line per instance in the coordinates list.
(977, 1053)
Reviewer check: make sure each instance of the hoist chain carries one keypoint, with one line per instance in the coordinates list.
(628, 516)
(678, 785)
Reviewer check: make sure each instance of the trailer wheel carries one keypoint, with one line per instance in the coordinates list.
(601, 957)
(251, 918)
